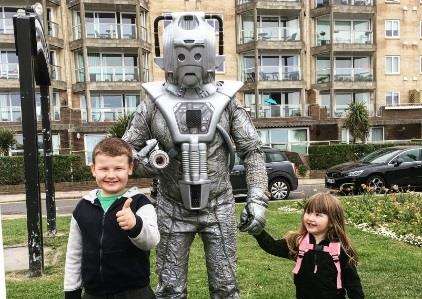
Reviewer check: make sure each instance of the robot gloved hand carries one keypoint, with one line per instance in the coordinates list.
(151, 157)
(252, 218)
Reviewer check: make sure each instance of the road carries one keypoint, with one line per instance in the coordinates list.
(66, 206)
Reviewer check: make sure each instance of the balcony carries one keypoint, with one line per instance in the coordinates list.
(9, 71)
(107, 114)
(324, 3)
(6, 26)
(53, 29)
(276, 73)
(113, 74)
(278, 34)
(109, 31)
(269, 111)
(345, 78)
(55, 72)
(269, 4)
(353, 75)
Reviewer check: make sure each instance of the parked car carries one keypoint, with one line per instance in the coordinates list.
(384, 168)
(281, 174)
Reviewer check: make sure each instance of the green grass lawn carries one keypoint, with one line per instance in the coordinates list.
(388, 269)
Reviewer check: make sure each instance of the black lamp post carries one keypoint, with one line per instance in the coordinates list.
(33, 56)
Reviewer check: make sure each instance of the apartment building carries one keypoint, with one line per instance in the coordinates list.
(302, 64)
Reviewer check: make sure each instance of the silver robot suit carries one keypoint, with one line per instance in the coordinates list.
(196, 120)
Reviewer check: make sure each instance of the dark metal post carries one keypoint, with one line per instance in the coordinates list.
(50, 202)
(25, 41)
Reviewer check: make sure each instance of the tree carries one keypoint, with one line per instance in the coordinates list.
(357, 121)
(7, 140)
(120, 126)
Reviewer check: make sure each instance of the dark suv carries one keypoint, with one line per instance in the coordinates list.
(281, 174)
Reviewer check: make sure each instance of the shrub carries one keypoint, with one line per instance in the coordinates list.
(7, 140)
(302, 169)
(66, 168)
(325, 156)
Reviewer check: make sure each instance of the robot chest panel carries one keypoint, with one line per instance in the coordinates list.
(193, 117)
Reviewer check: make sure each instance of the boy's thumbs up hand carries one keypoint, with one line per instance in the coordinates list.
(125, 216)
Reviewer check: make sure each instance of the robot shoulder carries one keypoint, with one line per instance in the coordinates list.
(229, 87)
(154, 89)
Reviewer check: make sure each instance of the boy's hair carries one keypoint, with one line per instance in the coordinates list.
(330, 205)
(112, 147)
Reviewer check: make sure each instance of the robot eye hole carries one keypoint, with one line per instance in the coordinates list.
(181, 57)
(197, 56)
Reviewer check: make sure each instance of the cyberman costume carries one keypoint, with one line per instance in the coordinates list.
(194, 119)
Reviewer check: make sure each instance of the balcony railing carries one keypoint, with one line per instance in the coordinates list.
(80, 74)
(53, 29)
(14, 113)
(107, 31)
(239, 2)
(246, 36)
(55, 72)
(353, 75)
(106, 114)
(323, 75)
(277, 73)
(354, 2)
(9, 71)
(6, 26)
(322, 3)
(113, 74)
(354, 37)
(280, 111)
(143, 33)
(278, 34)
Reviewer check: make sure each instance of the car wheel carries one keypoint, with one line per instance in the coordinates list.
(279, 188)
(376, 183)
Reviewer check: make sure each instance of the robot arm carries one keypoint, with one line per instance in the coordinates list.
(145, 149)
(248, 145)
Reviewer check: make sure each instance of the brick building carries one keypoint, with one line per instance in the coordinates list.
(302, 63)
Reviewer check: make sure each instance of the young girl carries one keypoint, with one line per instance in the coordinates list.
(325, 260)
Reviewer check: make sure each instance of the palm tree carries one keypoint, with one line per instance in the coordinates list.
(7, 140)
(120, 126)
(357, 121)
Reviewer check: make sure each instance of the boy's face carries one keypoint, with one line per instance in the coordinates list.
(111, 173)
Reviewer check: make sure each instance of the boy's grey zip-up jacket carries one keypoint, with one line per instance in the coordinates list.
(101, 257)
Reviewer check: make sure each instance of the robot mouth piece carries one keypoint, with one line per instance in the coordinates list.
(190, 80)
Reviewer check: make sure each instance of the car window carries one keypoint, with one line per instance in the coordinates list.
(410, 156)
(380, 156)
(274, 157)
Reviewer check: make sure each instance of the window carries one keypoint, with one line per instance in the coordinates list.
(274, 157)
(108, 107)
(112, 67)
(392, 28)
(392, 65)
(345, 135)
(91, 141)
(286, 139)
(6, 19)
(392, 98)
(376, 134)
(17, 149)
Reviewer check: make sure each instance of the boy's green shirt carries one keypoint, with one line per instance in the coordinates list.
(107, 201)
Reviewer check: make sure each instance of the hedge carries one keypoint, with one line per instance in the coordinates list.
(322, 157)
(66, 168)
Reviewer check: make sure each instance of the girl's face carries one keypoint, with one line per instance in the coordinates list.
(316, 223)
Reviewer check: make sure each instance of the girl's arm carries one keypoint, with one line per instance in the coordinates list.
(275, 247)
(350, 278)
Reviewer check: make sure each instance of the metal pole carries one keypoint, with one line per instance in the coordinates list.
(25, 43)
(50, 202)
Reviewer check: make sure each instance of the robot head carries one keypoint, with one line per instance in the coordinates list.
(189, 59)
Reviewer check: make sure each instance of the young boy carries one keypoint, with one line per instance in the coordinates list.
(111, 232)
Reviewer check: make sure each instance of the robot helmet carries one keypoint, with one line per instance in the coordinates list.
(189, 59)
